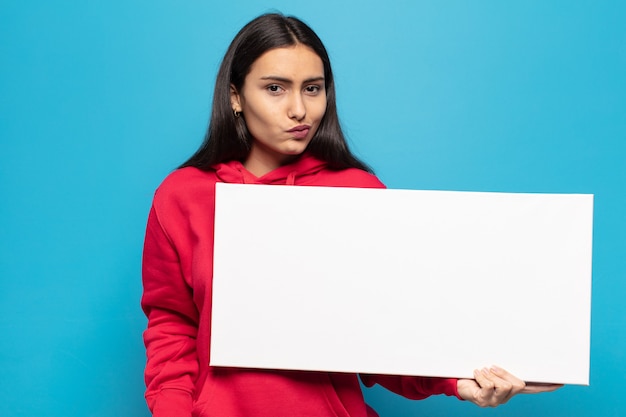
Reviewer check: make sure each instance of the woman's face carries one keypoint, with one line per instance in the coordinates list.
(282, 101)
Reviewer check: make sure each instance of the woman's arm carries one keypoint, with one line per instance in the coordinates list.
(413, 387)
(490, 388)
(170, 339)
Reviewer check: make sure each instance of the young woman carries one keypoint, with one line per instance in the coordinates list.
(274, 121)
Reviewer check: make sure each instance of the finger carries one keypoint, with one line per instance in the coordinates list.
(536, 387)
(520, 386)
(517, 385)
(484, 379)
(493, 389)
(504, 387)
(482, 393)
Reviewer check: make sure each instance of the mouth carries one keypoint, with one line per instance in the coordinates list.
(300, 132)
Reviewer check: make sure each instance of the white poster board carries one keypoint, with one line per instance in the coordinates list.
(431, 283)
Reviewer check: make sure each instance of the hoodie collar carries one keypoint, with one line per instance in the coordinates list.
(234, 172)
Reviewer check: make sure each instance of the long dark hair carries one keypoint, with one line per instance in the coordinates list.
(227, 137)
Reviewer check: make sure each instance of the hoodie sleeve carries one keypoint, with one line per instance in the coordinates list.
(170, 338)
(413, 387)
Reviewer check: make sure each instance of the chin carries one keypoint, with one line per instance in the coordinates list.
(294, 151)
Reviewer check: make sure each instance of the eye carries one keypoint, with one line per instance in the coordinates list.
(313, 90)
(274, 89)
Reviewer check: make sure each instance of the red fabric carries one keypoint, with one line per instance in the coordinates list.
(177, 276)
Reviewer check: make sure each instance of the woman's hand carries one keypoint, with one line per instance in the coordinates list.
(494, 386)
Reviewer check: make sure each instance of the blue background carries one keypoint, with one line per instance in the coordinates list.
(99, 100)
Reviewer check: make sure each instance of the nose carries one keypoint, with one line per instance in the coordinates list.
(297, 108)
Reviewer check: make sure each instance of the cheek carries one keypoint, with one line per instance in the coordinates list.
(260, 113)
(318, 110)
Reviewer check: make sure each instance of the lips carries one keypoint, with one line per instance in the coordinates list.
(300, 132)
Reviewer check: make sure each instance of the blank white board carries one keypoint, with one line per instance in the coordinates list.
(430, 283)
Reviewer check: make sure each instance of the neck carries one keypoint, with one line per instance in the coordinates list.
(259, 165)
(258, 168)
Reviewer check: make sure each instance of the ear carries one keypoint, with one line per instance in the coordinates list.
(235, 99)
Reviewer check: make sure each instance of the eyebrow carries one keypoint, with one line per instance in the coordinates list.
(287, 80)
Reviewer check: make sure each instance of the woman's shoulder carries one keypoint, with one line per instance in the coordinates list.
(350, 177)
(186, 183)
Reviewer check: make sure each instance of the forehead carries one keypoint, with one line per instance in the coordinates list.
(294, 61)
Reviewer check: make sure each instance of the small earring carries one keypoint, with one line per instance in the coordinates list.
(236, 113)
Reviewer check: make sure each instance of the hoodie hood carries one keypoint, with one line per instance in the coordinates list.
(303, 168)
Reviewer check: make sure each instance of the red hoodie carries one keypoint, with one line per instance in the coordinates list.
(177, 276)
